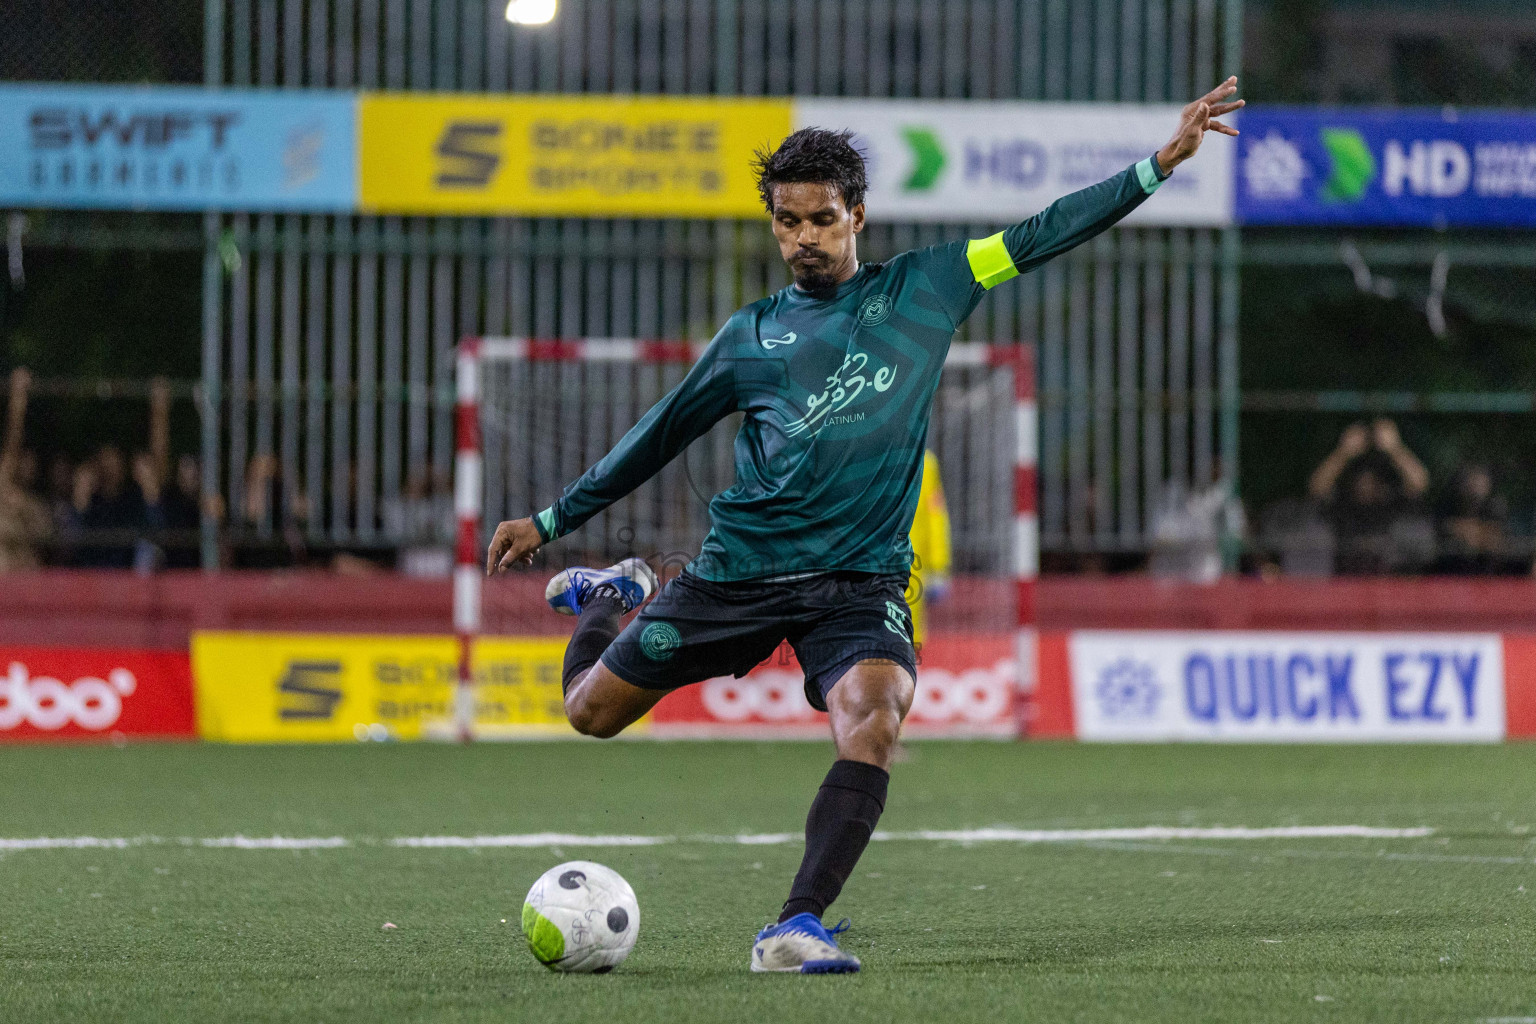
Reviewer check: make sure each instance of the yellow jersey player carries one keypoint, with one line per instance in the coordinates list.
(931, 552)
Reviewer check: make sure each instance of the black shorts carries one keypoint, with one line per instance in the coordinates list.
(695, 630)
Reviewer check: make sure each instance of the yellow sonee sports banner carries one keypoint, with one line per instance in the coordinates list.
(582, 156)
(297, 687)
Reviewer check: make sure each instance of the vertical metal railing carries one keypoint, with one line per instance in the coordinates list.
(327, 339)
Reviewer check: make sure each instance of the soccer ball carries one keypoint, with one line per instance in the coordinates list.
(581, 917)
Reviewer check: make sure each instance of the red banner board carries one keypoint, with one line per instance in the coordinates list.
(94, 693)
(966, 686)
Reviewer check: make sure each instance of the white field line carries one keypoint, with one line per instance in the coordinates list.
(546, 839)
(976, 835)
(1090, 835)
(274, 843)
(235, 842)
(1292, 854)
(530, 839)
(72, 843)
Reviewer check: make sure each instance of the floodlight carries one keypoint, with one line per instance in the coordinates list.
(531, 12)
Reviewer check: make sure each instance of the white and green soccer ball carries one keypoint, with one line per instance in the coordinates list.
(581, 917)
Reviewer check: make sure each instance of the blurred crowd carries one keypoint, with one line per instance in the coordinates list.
(142, 509)
(1369, 509)
(108, 510)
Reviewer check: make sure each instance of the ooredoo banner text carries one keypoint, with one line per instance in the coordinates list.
(88, 693)
(966, 686)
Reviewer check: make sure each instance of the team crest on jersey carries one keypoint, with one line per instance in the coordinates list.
(875, 310)
(660, 641)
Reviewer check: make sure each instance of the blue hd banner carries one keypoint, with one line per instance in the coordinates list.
(177, 148)
(1406, 168)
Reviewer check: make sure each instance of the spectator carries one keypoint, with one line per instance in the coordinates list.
(180, 512)
(113, 515)
(170, 505)
(24, 520)
(421, 521)
(276, 519)
(1189, 529)
(1473, 523)
(1369, 487)
(1296, 540)
(62, 512)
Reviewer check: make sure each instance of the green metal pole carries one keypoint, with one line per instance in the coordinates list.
(213, 78)
(1229, 396)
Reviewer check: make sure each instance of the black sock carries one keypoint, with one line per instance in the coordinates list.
(595, 630)
(843, 817)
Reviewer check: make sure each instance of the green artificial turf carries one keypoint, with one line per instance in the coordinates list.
(1437, 928)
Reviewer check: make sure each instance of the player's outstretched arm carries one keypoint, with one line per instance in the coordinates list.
(1073, 219)
(705, 396)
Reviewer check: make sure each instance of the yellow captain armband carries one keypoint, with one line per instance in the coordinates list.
(990, 263)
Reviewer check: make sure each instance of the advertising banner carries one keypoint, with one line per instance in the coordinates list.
(996, 162)
(1287, 687)
(1387, 167)
(297, 687)
(87, 693)
(599, 156)
(176, 148)
(965, 687)
(183, 148)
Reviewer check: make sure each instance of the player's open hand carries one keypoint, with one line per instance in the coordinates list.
(515, 541)
(1198, 118)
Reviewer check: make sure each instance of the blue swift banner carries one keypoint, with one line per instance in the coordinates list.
(1407, 168)
(177, 148)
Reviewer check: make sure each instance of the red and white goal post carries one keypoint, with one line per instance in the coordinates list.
(478, 358)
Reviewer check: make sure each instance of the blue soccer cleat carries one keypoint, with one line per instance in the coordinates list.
(802, 945)
(632, 580)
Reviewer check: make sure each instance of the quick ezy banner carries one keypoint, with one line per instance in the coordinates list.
(1287, 687)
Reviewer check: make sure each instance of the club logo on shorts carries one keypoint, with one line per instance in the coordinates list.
(897, 620)
(660, 640)
(875, 310)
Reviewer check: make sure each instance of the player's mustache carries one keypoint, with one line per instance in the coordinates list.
(802, 255)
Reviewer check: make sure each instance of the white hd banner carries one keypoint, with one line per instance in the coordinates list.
(1288, 687)
(999, 161)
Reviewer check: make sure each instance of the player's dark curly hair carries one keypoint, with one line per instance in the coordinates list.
(813, 155)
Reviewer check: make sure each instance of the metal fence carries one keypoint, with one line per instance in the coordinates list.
(327, 339)
(544, 422)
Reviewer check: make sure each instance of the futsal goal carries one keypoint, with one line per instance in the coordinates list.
(533, 414)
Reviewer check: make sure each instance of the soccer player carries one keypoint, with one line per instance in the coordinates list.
(836, 375)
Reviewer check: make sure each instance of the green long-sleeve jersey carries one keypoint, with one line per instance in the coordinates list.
(836, 389)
